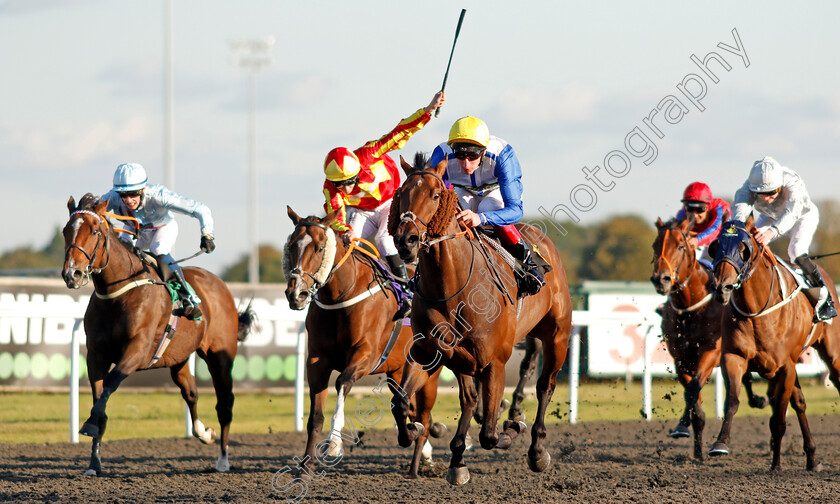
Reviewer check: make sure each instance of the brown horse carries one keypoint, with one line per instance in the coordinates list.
(690, 321)
(767, 324)
(463, 320)
(350, 330)
(129, 314)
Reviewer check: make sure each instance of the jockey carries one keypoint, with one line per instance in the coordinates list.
(360, 184)
(152, 206)
(709, 215)
(487, 177)
(779, 196)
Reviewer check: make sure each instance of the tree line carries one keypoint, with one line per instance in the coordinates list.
(617, 248)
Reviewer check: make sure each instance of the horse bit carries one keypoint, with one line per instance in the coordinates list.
(89, 269)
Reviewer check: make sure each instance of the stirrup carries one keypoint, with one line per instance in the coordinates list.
(190, 310)
(403, 311)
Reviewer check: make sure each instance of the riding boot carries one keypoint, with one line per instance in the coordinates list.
(189, 299)
(401, 274)
(531, 280)
(824, 307)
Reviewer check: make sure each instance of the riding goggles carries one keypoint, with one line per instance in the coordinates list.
(345, 183)
(130, 194)
(467, 151)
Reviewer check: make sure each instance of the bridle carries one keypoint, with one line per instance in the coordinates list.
(102, 242)
(674, 272)
(322, 276)
(412, 218)
(746, 271)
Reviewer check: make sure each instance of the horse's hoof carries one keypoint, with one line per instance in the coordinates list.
(680, 431)
(517, 426)
(223, 465)
(816, 468)
(336, 449)
(539, 464)
(457, 475)
(438, 430)
(89, 429)
(504, 441)
(91, 472)
(504, 405)
(718, 449)
(758, 402)
(415, 430)
(207, 437)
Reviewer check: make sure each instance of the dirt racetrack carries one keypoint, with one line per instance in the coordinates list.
(595, 462)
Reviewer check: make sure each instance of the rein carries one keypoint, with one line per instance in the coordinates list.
(674, 275)
(100, 236)
(743, 278)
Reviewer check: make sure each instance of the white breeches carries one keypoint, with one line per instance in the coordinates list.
(159, 241)
(374, 222)
(800, 234)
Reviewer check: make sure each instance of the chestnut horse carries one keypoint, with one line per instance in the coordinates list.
(130, 313)
(690, 321)
(767, 324)
(350, 330)
(461, 319)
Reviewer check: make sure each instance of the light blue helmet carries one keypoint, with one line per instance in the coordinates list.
(766, 175)
(129, 177)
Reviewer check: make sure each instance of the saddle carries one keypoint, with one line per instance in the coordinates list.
(536, 255)
(168, 278)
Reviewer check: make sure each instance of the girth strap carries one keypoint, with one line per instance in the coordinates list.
(164, 340)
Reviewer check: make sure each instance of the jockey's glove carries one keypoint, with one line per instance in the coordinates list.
(207, 244)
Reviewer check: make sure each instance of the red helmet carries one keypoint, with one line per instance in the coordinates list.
(697, 191)
(341, 164)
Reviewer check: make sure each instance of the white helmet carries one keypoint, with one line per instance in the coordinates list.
(129, 177)
(766, 175)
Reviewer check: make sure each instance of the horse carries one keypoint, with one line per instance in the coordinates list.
(767, 324)
(464, 317)
(129, 322)
(690, 321)
(350, 330)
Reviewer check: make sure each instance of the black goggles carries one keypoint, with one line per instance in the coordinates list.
(696, 208)
(467, 151)
(349, 182)
(130, 194)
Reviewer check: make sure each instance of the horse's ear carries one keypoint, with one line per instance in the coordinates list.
(292, 215)
(407, 168)
(71, 204)
(440, 169)
(101, 206)
(330, 219)
(713, 249)
(750, 222)
(659, 223)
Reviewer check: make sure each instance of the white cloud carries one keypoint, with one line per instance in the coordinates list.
(570, 104)
(72, 144)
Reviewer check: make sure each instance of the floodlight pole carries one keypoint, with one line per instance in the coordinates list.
(251, 56)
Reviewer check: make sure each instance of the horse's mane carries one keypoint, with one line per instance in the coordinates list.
(88, 202)
(447, 207)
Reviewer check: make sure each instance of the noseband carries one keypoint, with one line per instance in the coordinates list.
(412, 218)
(91, 257)
(325, 269)
(685, 255)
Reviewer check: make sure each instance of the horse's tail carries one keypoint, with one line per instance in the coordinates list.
(247, 321)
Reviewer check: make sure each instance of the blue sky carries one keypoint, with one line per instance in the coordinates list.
(563, 82)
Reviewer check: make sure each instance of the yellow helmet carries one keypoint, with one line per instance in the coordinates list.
(469, 130)
(341, 164)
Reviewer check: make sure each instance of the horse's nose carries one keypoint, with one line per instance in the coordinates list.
(661, 283)
(72, 277)
(722, 292)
